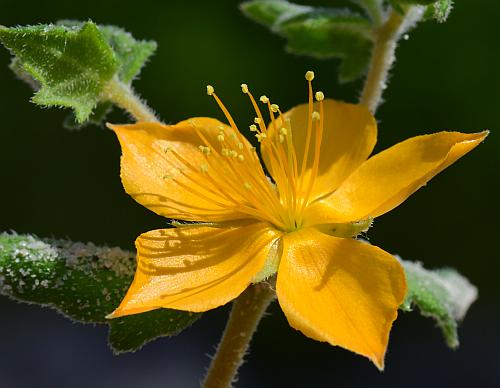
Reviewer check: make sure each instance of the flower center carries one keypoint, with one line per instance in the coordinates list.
(233, 169)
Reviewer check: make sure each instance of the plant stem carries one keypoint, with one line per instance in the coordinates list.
(383, 54)
(247, 311)
(123, 96)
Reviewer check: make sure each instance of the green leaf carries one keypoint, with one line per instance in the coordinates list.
(131, 54)
(72, 64)
(442, 294)
(420, 2)
(318, 32)
(439, 11)
(69, 64)
(85, 283)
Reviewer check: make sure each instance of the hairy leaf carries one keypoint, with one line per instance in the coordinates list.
(85, 283)
(318, 32)
(439, 11)
(71, 64)
(442, 294)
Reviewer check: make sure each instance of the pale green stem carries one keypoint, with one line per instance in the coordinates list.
(383, 55)
(123, 96)
(247, 311)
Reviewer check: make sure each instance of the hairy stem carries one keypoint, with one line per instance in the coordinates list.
(248, 309)
(383, 55)
(123, 96)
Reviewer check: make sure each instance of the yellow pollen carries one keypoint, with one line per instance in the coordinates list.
(283, 131)
(204, 150)
(310, 75)
(257, 120)
(253, 128)
(264, 99)
(220, 137)
(224, 152)
(247, 186)
(244, 88)
(282, 138)
(240, 146)
(167, 149)
(319, 96)
(260, 137)
(204, 168)
(315, 115)
(233, 154)
(210, 90)
(275, 108)
(241, 158)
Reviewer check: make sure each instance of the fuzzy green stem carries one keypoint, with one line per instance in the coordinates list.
(248, 309)
(123, 96)
(383, 55)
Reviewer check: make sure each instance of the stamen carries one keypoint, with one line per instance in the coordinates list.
(260, 137)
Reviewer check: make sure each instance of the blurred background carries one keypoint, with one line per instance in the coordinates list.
(59, 183)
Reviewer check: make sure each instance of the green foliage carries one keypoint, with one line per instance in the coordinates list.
(83, 282)
(318, 32)
(439, 11)
(69, 64)
(72, 65)
(420, 2)
(442, 294)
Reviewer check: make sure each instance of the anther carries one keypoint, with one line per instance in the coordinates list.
(244, 88)
(264, 99)
(241, 158)
(204, 150)
(224, 152)
(220, 137)
(315, 115)
(240, 146)
(253, 128)
(283, 131)
(167, 149)
(319, 96)
(260, 137)
(210, 90)
(257, 120)
(275, 108)
(310, 75)
(233, 154)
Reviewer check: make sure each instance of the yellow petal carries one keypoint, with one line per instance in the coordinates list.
(163, 169)
(341, 291)
(385, 180)
(195, 268)
(349, 135)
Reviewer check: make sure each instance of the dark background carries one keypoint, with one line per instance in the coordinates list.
(66, 184)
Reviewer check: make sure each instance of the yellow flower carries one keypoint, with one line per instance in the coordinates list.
(323, 191)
